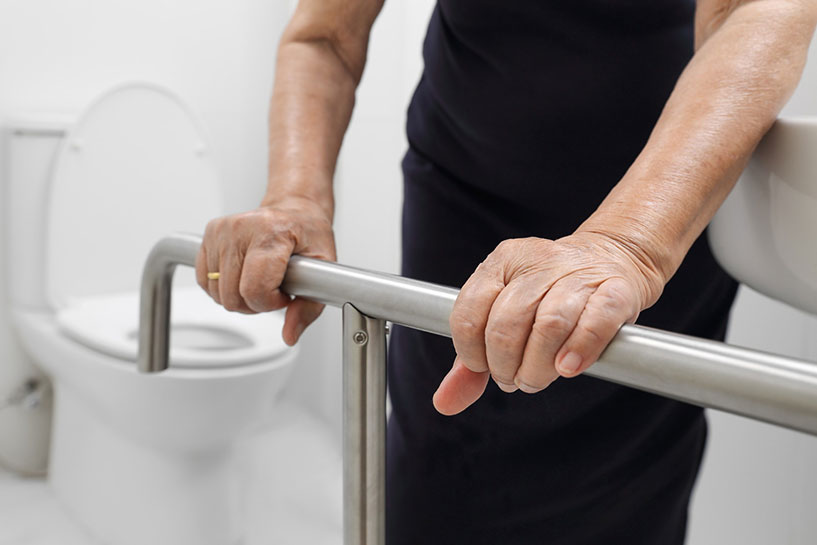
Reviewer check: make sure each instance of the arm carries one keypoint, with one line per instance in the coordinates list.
(320, 62)
(538, 309)
(749, 59)
(321, 58)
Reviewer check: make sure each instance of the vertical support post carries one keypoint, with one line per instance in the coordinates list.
(364, 428)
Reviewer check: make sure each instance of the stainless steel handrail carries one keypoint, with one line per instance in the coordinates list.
(763, 386)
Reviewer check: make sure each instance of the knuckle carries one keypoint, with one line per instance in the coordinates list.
(614, 300)
(262, 265)
(464, 328)
(259, 298)
(279, 261)
(276, 219)
(532, 384)
(232, 302)
(504, 379)
(474, 365)
(503, 246)
(551, 323)
(278, 234)
(241, 222)
(485, 267)
(506, 247)
(592, 332)
(614, 294)
(232, 259)
(211, 228)
(601, 313)
(253, 294)
(501, 336)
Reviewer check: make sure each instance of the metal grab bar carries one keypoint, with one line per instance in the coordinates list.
(759, 385)
(763, 386)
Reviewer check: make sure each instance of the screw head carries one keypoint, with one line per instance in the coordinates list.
(360, 337)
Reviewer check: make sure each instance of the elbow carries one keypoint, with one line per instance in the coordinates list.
(795, 18)
(339, 35)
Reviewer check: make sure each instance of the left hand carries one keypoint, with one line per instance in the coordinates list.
(536, 309)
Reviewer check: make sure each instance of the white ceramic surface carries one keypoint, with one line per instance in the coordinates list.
(134, 168)
(202, 333)
(135, 458)
(765, 234)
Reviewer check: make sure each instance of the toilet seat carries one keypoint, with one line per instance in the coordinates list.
(203, 334)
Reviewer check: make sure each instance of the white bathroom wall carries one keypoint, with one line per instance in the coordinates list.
(219, 56)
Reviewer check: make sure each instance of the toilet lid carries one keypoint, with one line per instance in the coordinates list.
(134, 168)
(202, 335)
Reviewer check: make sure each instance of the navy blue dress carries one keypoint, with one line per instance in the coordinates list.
(527, 114)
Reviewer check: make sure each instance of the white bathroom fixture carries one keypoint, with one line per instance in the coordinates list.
(135, 459)
(765, 234)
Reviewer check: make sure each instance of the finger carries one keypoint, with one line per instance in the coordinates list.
(556, 316)
(300, 314)
(460, 388)
(261, 277)
(213, 264)
(470, 315)
(611, 306)
(230, 275)
(509, 325)
(201, 267)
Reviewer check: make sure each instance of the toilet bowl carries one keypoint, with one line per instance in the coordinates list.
(135, 458)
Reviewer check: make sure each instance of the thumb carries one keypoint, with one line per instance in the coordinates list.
(459, 389)
(300, 313)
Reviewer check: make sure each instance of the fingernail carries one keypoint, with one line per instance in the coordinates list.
(570, 363)
(507, 388)
(525, 388)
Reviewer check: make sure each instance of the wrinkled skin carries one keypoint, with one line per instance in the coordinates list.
(536, 309)
(251, 251)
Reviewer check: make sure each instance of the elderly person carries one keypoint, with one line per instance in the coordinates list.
(564, 159)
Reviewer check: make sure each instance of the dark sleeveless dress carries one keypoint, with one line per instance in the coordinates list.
(527, 114)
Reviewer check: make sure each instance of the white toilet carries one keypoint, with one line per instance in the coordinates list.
(136, 459)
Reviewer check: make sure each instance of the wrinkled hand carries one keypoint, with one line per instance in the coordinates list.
(251, 251)
(536, 309)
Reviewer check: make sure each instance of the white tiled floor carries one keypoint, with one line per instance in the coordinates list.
(292, 473)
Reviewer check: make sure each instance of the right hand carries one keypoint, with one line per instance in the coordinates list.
(251, 251)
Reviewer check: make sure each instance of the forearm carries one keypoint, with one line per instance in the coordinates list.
(745, 69)
(310, 108)
(320, 62)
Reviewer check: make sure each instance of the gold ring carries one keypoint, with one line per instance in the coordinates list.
(213, 276)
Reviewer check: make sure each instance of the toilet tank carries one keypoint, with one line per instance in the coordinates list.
(132, 168)
(29, 148)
